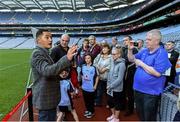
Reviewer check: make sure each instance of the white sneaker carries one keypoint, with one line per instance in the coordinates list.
(76, 91)
(110, 117)
(114, 120)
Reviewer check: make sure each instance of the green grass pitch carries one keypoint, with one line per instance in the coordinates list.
(14, 71)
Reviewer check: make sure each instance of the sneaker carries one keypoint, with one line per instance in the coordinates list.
(76, 91)
(110, 117)
(90, 115)
(86, 113)
(114, 120)
(107, 106)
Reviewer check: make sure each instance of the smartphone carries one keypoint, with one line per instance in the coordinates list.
(135, 44)
(132, 43)
(77, 41)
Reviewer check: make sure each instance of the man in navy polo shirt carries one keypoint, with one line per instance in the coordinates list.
(151, 62)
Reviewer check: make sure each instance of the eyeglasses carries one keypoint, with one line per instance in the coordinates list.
(118, 46)
(114, 54)
(91, 39)
(65, 40)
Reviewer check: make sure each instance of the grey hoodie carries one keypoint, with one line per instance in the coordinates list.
(116, 75)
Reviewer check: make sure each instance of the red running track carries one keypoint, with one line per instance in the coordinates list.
(101, 113)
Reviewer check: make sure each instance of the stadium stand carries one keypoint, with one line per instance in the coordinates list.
(130, 19)
(66, 17)
(12, 43)
(169, 33)
(3, 40)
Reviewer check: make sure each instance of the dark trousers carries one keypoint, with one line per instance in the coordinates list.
(128, 87)
(130, 99)
(89, 100)
(115, 101)
(101, 89)
(129, 95)
(170, 79)
(123, 100)
(177, 116)
(47, 115)
(146, 106)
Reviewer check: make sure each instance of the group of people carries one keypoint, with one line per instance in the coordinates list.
(123, 73)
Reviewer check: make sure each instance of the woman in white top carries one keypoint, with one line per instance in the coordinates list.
(103, 63)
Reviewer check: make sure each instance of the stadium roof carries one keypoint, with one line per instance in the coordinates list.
(63, 5)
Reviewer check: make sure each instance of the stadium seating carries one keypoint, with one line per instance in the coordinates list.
(68, 17)
(12, 42)
(169, 33)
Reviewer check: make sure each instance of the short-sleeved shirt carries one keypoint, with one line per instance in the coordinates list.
(89, 74)
(65, 87)
(145, 82)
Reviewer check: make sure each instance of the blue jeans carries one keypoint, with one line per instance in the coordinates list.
(47, 115)
(146, 106)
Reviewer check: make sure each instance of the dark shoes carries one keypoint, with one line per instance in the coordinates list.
(88, 114)
(128, 113)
